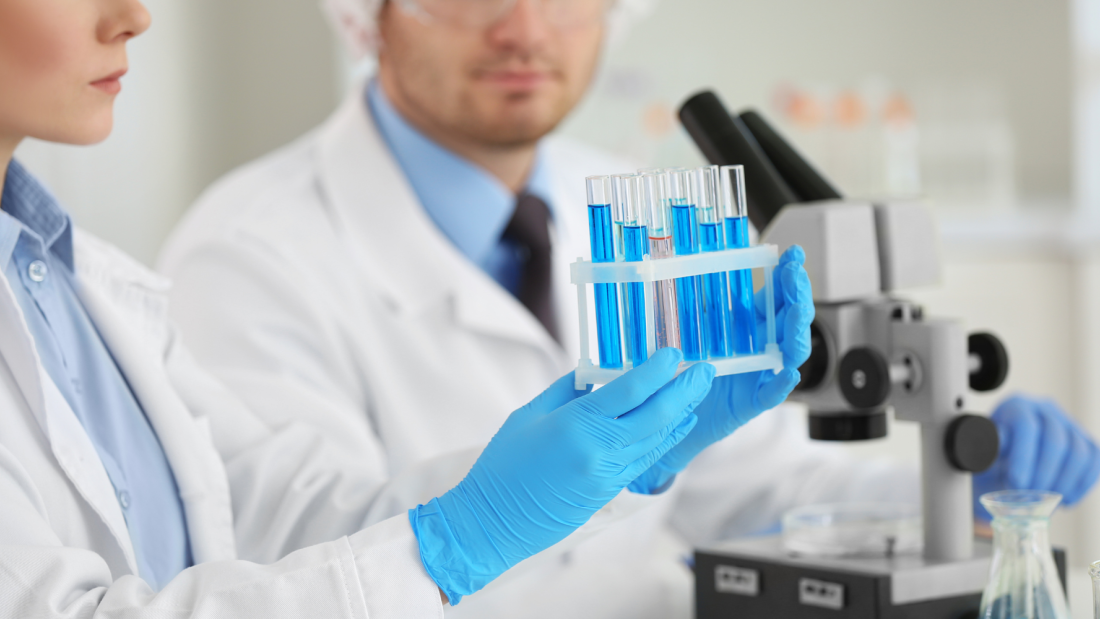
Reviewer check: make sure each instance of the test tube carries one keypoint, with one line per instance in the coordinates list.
(717, 318)
(603, 250)
(666, 330)
(635, 247)
(745, 341)
(685, 236)
(619, 184)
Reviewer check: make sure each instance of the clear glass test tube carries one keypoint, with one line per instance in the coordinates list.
(717, 320)
(745, 340)
(685, 237)
(635, 247)
(619, 184)
(602, 237)
(666, 328)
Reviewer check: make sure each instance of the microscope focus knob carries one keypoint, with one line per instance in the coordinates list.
(988, 361)
(972, 443)
(864, 378)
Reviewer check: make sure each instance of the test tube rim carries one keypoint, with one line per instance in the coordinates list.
(732, 190)
(607, 189)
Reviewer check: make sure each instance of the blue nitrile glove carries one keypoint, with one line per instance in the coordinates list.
(553, 464)
(1042, 448)
(736, 399)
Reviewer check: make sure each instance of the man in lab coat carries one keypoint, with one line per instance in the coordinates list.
(373, 280)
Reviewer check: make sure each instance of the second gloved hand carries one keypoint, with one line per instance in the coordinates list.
(551, 466)
(1042, 448)
(736, 399)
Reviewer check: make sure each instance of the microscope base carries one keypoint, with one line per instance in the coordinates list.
(756, 577)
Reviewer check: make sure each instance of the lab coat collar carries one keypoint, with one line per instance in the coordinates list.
(387, 226)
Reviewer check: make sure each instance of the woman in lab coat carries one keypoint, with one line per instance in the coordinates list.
(71, 516)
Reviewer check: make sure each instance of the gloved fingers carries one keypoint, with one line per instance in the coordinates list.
(1020, 430)
(642, 464)
(761, 309)
(560, 393)
(670, 403)
(633, 451)
(794, 280)
(1053, 445)
(760, 299)
(794, 334)
(639, 449)
(1076, 465)
(793, 255)
(633, 388)
(773, 389)
(1092, 473)
(789, 278)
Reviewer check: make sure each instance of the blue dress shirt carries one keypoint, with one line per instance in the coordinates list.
(36, 257)
(470, 206)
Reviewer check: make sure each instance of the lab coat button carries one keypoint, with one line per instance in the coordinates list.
(37, 271)
(124, 499)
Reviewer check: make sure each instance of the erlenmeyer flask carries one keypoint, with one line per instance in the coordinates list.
(1023, 581)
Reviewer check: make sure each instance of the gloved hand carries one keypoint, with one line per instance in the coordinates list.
(1042, 448)
(551, 466)
(736, 399)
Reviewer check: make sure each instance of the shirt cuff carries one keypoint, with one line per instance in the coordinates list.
(391, 575)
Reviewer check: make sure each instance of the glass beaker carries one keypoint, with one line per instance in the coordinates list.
(1023, 580)
(1094, 571)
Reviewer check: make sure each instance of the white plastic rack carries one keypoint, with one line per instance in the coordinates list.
(584, 273)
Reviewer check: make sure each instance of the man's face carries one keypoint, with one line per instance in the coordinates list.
(504, 84)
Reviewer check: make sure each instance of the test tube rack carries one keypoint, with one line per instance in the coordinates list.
(584, 273)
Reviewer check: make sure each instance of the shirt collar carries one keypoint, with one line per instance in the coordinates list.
(30, 207)
(469, 205)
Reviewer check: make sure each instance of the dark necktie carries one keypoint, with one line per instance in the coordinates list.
(529, 230)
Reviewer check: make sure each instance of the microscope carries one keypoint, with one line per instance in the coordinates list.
(872, 351)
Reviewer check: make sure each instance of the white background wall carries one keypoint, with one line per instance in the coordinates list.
(744, 49)
(218, 82)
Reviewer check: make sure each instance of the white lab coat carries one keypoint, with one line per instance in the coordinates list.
(247, 488)
(314, 284)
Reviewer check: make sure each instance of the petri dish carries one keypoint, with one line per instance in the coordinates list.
(853, 530)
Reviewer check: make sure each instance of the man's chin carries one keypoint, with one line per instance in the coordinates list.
(514, 135)
(512, 127)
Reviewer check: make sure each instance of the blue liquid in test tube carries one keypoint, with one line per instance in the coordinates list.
(717, 321)
(745, 341)
(603, 250)
(619, 189)
(689, 290)
(635, 247)
(636, 241)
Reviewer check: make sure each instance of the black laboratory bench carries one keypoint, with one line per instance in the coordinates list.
(755, 578)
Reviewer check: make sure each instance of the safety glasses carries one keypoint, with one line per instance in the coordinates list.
(476, 14)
